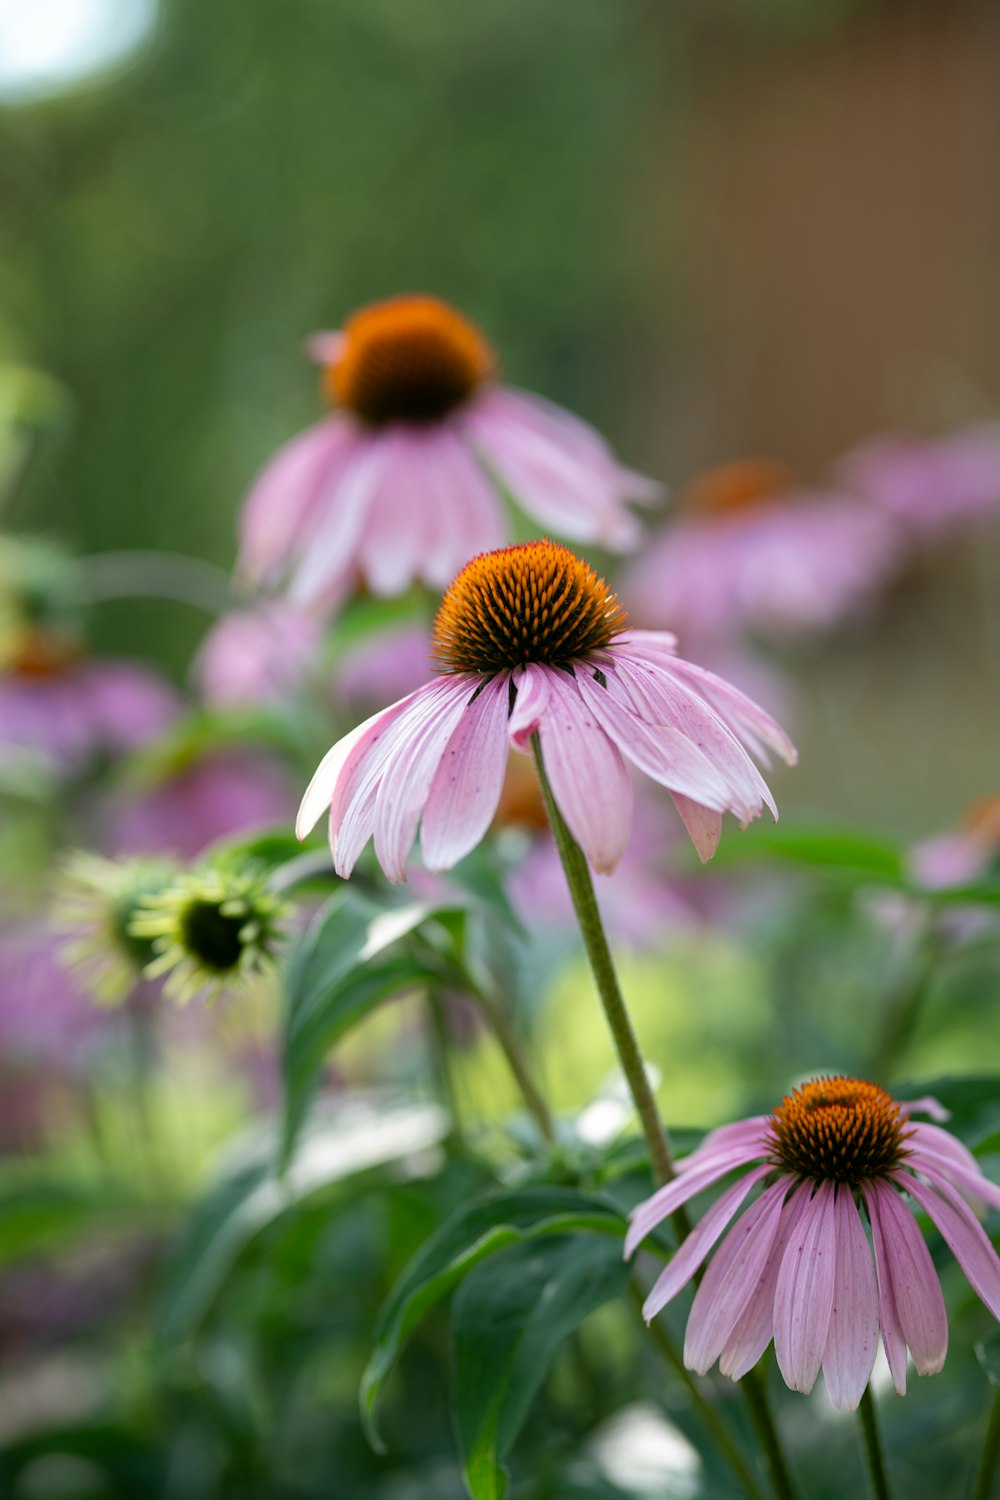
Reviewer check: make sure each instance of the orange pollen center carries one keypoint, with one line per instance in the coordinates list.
(537, 602)
(982, 822)
(409, 359)
(736, 487)
(838, 1130)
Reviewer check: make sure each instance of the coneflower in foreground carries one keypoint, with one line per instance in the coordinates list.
(797, 1265)
(403, 478)
(530, 641)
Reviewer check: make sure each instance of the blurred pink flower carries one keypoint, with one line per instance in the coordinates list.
(383, 667)
(257, 655)
(797, 1267)
(219, 794)
(46, 1018)
(82, 707)
(402, 481)
(927, 484)
(530, 641)
(749, 554)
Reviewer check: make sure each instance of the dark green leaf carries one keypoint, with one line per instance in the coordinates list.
(845, 851)
(509, 1318)
(988, 1355)
(478, 1231)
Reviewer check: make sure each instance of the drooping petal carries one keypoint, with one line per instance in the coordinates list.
(964, 1236)
(410, 772)
(329, 553)
(589, 780)
(926, 1105)
(803, 1297)
(704, 826)
(466, 789)
(532, 687)
(754, 1329)
(283, 501)
(906, 1271)
(750, 1132)
(663, 1202)
(337, 762)
(699, 1242)
(728, 1284)
(852, 1340)
(931, 1149)
(464, 512)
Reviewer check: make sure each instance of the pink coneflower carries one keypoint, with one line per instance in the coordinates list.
(401, 481)
(530, 641)
(257, 655)
(797, 1266)
(751, 553)
(927, 484)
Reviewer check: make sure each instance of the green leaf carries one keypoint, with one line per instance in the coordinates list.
(988, 1355)
(40, 1216)
(468, 1237)
(509, 1318)
(844, 851)
(353, 957)
(249, 1193)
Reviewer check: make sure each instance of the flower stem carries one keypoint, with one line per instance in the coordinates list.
(510, 1046)
(581, 889)
(760, 1411)
(983, 1488)
(873, 1447)
(705, 1409)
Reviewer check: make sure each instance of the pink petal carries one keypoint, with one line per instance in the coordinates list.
(893, 1337)
(698, 1243)
(702, 823)
(729, 1283)
(588, 777)
(337, 763)
(852, 1339)
(753, 1131)
(927, 1105)
(803, 1297)
(464, 510)
(410, 771)
(905, 1266)
(532, 685)
(754, 1329)
(285, 496)
(931, 1147)
(663, 1202)
(963, 1234)
(329, 550)
(466, 789)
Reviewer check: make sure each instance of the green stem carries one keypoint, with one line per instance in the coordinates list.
(873, 1447)
(510, 1045)
(902, 1007)
(755, 1392)
(705, 1409)
(442, 1048)
(581, 889)
(991, 1453)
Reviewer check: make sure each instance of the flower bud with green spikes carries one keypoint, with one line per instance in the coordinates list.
(93, 905)
(214, 928)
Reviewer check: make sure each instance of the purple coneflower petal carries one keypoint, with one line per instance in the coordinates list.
(666, 1199)
(330, 559)
(337, 762)
(963, 1234)
(466, 788)
(927, 1105)
(409, 774)
(754, 1329)
(589, 779)
(532, 686)
(933, 1150)
(852, 1339)
(703, 825)
(745, 718)
(803, 1298)
(281, 505)
(906, 1274)
(698, 1243)
(751, 1132)
(728, 1285)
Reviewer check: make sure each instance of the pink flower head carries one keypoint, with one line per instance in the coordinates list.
(750, 554)
(530, 641)
(73, 709)
(927, 484)
(797, 1265)
(402, 481)
(257, 655)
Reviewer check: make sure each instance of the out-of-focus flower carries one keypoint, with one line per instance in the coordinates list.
(46, 1018)
(530, 641)
(257, 655)
(383, 667)
(54, 698)
(797, 1266)
(213, 929)
(964, 856)
(928, 484)
(401, 481)
(94, 902)
(214, 795)
(750, 553)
